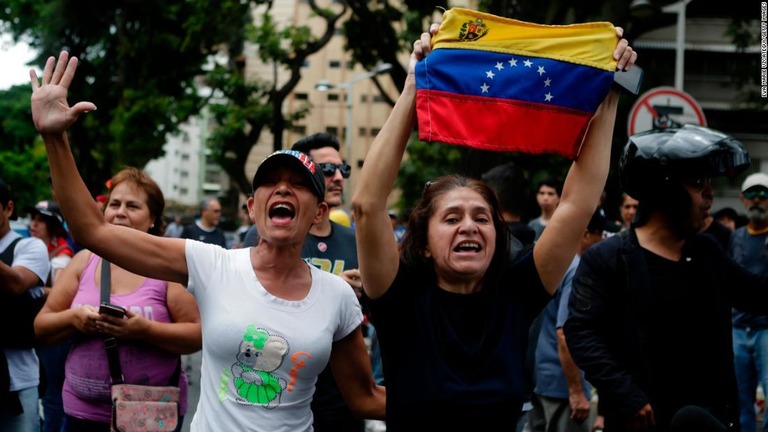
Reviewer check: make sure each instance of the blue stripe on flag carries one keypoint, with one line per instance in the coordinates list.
(510, 76)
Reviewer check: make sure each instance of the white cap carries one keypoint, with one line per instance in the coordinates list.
(756, 179)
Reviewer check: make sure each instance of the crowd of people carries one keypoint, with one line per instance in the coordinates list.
(476, 317)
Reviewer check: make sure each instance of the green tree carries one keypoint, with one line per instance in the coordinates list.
(139, 63)
(23, 166)
(243, 109)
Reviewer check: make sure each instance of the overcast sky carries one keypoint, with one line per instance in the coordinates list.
(12, 62)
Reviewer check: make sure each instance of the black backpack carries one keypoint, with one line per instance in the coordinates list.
(17, 311)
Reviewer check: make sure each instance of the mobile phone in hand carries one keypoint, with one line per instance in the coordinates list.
(112, 310)
(630, 80)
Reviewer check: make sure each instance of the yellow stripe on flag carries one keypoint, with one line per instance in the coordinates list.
(590, 44)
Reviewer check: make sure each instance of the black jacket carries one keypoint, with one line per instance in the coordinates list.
(611, 313)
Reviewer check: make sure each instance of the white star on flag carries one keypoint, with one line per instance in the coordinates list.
(503, 74)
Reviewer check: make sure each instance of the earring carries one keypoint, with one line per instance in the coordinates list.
(151, 226)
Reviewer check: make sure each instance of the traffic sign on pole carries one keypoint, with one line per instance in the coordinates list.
(664, 107)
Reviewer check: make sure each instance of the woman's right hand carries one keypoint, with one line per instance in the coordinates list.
(86, 318)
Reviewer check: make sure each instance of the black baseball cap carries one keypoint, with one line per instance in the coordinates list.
(301, 162)
(49, 209)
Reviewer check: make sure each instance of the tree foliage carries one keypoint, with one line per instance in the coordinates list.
(139, 62)
(243, 109)
(23, 166)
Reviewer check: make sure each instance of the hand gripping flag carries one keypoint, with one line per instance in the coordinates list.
(500, 84)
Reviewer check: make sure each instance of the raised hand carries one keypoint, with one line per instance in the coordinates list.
(51, 113)
(623, 54)
(422, 47)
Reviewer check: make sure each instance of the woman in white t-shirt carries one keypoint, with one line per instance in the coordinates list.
(271, 322)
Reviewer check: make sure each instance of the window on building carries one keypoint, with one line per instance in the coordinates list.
(333, 130)
(183, 191)
(334, 64)
(378, 98)
(363, 98)
(185, 156)
(301, 96)
(299, 129)
(362, 131)
(332, 97)
(375, 131)
(184, 174)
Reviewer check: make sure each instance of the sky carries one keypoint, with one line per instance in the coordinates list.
(13, 59)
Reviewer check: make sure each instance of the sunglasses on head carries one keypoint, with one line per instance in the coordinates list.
(756, 193)
(329, 169)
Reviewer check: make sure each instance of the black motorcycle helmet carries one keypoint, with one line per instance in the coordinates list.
(656, 159)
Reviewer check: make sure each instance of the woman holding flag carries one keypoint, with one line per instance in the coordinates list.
(452, 313)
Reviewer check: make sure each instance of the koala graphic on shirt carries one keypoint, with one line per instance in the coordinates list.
(260, 354)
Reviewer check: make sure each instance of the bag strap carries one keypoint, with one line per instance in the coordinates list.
(6, 255)
(110, 344)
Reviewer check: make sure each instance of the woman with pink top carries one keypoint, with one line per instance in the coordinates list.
(162, 320)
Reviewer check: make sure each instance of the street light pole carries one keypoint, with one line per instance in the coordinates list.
(349, 93)
(679, 9)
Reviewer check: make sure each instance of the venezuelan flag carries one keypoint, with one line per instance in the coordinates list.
(500, 84)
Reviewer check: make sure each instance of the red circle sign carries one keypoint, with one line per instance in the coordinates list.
(663, 107)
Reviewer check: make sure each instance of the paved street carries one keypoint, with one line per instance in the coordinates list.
(194, 387)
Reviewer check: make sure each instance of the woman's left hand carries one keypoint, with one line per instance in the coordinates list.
(133, 326)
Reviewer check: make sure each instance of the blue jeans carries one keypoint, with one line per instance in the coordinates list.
(29, 420)
(52, 359)
(750, 352)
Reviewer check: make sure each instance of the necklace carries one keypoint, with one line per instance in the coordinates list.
(757, 231)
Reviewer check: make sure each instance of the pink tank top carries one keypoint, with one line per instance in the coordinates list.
(86, 392)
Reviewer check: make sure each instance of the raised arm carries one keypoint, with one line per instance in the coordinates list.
(136, 251)
(581, 192)
(377, 251)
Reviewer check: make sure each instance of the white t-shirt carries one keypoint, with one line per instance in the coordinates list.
(32, 254)
(262, 354)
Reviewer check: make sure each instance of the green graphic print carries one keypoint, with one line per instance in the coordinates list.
(259, 355)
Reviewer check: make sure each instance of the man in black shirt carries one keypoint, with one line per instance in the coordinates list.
(649, 314)
(206, 228)
(331, 247)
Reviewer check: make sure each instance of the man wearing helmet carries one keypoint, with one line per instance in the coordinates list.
(650, 308)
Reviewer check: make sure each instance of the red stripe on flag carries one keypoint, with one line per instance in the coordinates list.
(475, 122)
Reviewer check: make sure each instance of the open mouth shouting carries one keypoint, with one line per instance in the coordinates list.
(282, 213)
(468, 246)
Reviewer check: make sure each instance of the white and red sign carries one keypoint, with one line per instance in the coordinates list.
(663, 107)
